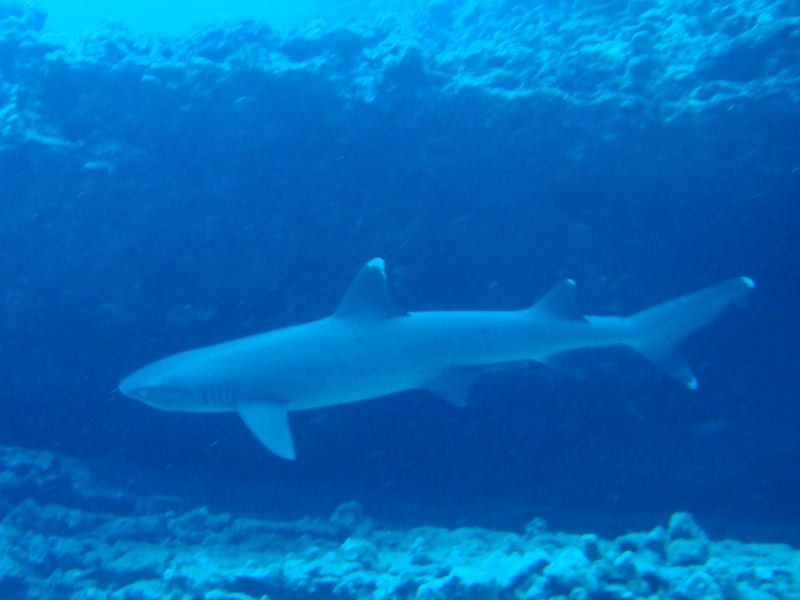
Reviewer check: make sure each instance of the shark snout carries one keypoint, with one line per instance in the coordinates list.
(128, 387)
(159, 387)
(137, 385)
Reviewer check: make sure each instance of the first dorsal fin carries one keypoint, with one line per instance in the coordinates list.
(559, 303)
(368, 297)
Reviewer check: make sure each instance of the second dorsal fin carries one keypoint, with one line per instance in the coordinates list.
(368, 296)
(559, 302)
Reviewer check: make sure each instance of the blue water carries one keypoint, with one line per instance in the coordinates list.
(161, 197)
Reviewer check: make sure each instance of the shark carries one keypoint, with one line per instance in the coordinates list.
(370, 347)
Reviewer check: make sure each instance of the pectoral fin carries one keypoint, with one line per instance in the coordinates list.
(269, 422)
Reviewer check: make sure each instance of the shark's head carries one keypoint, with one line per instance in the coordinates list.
(158, 387)
(176, 383)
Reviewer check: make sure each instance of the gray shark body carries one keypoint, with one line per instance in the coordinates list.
(370, 348)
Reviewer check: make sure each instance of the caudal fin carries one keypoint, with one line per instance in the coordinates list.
(658, 331)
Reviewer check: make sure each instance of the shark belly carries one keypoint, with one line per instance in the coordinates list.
(330, 362)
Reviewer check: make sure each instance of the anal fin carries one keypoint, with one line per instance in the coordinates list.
(269, 422)
(454, 384)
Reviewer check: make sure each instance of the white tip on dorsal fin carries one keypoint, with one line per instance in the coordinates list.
(368, 296)
(559, 302)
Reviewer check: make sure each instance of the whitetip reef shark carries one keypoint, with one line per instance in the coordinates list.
(369, 347)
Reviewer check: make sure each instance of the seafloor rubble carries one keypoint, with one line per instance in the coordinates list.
(65, 535)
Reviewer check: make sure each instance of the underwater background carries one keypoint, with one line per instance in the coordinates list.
(167, 184)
